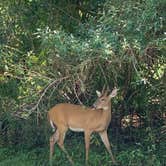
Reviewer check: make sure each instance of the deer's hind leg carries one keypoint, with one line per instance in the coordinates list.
(60, 142)
(53, 139)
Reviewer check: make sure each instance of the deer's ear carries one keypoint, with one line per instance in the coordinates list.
(113, 93)
(98, 93)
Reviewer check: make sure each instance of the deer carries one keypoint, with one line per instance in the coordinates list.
(78, 118)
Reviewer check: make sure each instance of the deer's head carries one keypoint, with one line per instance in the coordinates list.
(104, 99)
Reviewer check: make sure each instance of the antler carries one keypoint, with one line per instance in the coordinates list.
(106, 91)
(103, 90)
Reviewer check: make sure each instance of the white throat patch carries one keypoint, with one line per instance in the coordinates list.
(105, 108)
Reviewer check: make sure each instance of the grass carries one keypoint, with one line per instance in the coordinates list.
(39, 156)
(127, 155)
(10, 157)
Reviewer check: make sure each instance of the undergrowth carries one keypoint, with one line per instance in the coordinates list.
(135, 155)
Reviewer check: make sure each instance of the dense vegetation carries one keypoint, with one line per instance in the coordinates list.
(62, 51)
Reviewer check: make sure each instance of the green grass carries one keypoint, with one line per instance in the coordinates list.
(39, 156)
(10, 157)
(129, 155)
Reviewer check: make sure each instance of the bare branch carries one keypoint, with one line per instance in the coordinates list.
(33, 106)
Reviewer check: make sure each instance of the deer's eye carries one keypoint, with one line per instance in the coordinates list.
(102, 99)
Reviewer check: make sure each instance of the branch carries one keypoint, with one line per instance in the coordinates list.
(46, 89)
(36, 106)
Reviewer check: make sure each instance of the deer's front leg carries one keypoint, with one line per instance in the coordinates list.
(105, 140)
(87, 143)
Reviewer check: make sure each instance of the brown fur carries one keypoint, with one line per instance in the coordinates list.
(81, 118)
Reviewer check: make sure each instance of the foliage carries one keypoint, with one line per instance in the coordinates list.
(62, 51)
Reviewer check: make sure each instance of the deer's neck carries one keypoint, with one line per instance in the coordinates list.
(107, 113)
(107, 108)
(104, 119)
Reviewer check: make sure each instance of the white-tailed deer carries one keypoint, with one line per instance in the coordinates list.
(82, 119)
